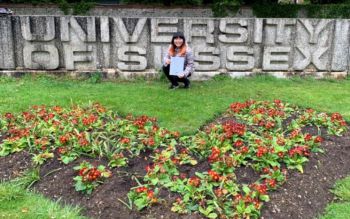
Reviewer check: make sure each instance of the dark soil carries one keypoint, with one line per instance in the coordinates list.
(306, 195)
(302, 196)
(14, 165)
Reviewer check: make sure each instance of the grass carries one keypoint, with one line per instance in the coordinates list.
(339, 210)
(18, 203)
(182, 110)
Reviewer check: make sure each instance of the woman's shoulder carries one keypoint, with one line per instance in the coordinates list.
(188, 49)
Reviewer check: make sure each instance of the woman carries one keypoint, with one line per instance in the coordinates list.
(178, 47)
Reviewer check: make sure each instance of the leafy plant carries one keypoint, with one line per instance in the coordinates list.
(89, 177)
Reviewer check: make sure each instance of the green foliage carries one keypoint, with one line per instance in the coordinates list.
(276, 10)
(342, 189)
(82, 7)
(224, 8)
(95, 77)
(89, 177)
(311, 10)
(17, 202)
(34, 2)
(76, 7)
(28, 178)
(159, 2)
(10, 191)
(339, 210)
(328, 11)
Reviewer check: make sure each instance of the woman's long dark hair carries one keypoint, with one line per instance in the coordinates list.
(183, 48)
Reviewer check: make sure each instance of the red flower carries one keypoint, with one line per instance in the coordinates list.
(214, 175)
(215, 154)
(194, 181)
(261, 151)
(141, 189)
(238, 143)
(183, 175)
(83, 142)
(281, 141)
(307, 137)
(269, 125)
(294, 133)
(150, 194)
(61, 150)
(149, 168)
(336, 117)
(272, 183)
(125, 140)
(318, 139)
(299, 150)
(9, 116)
(237, 107)
(231, 127)
(280, 154)
(218, 192)
(261, 188)
(244, 149)
(82, 171)
(64, 139)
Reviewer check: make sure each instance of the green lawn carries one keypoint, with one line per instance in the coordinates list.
(341, 208)
(17, 203)
(182, 110)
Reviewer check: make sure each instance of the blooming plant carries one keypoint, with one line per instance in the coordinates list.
(89, 177)
(262, 141)
(143, 197)
(269, 137)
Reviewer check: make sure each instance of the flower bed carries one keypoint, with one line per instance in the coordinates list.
(269, 137)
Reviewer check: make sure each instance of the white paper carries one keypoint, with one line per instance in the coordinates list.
(177, 65)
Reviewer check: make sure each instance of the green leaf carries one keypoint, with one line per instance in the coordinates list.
(140, 203)
(246, 189)
(67, 159)
(193, 162)
(212, 215)
(265, 198)
(300, 168)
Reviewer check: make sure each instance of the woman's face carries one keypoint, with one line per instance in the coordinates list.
(178, 41)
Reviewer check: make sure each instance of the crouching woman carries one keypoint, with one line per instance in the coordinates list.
(179, 48)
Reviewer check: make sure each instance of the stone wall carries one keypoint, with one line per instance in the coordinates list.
(136, 46)
(113, 10)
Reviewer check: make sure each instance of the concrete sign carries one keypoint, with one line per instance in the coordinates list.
(236, 46)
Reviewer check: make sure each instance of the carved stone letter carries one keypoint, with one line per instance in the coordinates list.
(341, 45)
(124, 32)
(278, 31)
(43, 57)
(235, 30)
(276, 58)
(7, 49)
(208, 58)
(312, 44)
(79, 54)
(44, 26)
(71, 23)
(199, 28)
(161, 33)
(128, 60)
(240, 58)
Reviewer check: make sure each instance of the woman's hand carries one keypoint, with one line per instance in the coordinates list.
(181, 75)
(167, 61)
